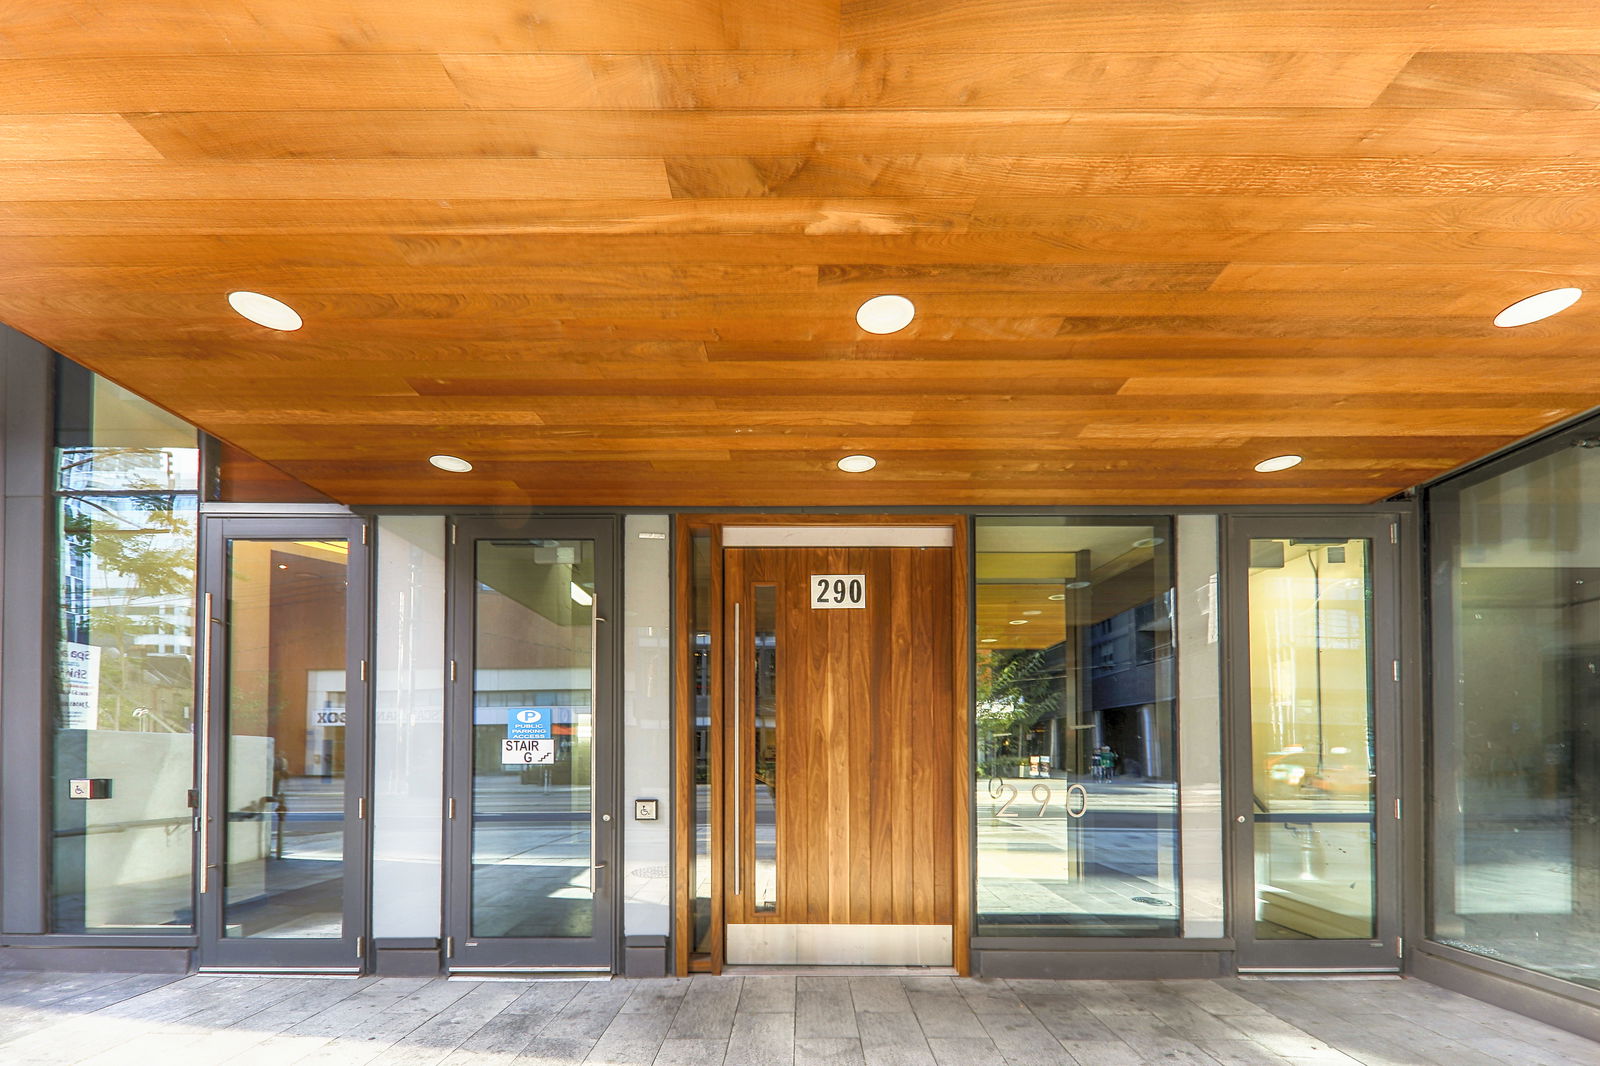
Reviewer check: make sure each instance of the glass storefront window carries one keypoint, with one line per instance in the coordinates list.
(1076, 782)
(126, 511)
(1515, 751)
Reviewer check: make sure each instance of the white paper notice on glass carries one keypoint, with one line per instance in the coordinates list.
(838, 591)
(527, 752)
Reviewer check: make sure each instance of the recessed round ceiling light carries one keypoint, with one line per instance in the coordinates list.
(452, 463)
(989, 640)
(1031, 613)
(1148, 542)
(1539, 305)
(857, 464)
(1078, 584)
(1019, 622)
(1278, 462)
(1058, 596)
(265, 311)
(885, 314)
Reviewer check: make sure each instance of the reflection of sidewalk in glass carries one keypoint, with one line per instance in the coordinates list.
(532, 871)
(1038, 862)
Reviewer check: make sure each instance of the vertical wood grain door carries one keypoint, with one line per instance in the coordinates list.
(839, 812)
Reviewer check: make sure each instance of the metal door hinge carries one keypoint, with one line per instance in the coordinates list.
(449, 947)
(452, 532)
(450, 808)
(1397, 808)
(363, 532)
(1395, 672)
(361, 807)
(1394, 532)
(452, 669)
(1400, 946)
(361, 946)
(363, 669)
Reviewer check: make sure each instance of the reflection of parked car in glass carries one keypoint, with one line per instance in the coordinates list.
(1343, 772)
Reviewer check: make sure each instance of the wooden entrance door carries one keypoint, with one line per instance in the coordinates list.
(840, 815)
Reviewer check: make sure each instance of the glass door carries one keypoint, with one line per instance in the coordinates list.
(284, 737)
(1314, 800)
(530, 817)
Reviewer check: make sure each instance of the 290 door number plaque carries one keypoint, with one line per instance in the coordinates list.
(838, 591)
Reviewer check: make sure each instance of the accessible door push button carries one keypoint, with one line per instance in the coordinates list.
(89, 788)
(645, 810)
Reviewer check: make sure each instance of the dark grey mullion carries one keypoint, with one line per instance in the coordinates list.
(26, 700)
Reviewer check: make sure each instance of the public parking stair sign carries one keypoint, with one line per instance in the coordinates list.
(528, 739)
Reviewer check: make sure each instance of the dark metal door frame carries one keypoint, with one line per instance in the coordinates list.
(600, 951)
(347, 953)
(1381, 953)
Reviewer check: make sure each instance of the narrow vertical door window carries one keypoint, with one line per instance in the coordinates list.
(533, 847)
(764, 764)
(1311, 719)
(284, 832)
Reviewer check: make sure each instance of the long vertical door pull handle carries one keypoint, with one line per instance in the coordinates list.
(737, 732)
(203, 815)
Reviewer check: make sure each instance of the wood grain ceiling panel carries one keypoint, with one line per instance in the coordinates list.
(611, 250)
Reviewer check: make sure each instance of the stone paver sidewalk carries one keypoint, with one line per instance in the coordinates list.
(122, 1019)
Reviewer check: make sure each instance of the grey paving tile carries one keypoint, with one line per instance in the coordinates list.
(1240, 1053)
(690, 1051)
(1157, 1041)
(656, 995)
(824, 1009)
(451, 1027)
(965, 1051)
(945, 1014)
(761, 1039)
(1212, 997)
(546, 997)
(1018, 1032)
(885, 1029)
(1067, 1020)
(503, 1035)
(763, 995)
(828, 1051)
(708, 1007)
(631, 1039)
(1103, 1053)
(589, 1012)
(877, 994)
(987, 996)
(555, 1051)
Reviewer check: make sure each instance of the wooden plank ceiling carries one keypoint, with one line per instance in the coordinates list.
(610, 250)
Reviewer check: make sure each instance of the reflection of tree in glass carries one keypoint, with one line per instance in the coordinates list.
(133, 559)
(1015, 690)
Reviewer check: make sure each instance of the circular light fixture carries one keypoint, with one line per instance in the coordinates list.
(1018, 622)
(1278, 462)
(1030, 613)
(1077, 585)
(885, 314)
(1539, 305)
(265, 311)
(454, 464)
(1146, 542)
(857, 464)
(989, 640)
(1058, 596)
